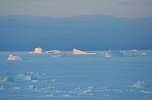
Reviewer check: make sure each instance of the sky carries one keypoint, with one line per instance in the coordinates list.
(67, 8)
(82, 24)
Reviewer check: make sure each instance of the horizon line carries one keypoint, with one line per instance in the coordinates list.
(76, 16)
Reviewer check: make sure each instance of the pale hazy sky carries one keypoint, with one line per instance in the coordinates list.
(67, 8)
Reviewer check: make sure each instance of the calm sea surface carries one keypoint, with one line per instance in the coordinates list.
(76, 77)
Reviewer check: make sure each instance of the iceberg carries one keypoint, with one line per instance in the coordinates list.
(37, 51)
(76, 51)
(11, 57)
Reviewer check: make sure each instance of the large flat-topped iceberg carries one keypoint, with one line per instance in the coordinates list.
(76, 51)
(11, 57)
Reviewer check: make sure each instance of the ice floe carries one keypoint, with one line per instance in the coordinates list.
(40, 83)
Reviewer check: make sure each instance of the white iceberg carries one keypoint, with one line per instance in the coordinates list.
(11, 57)
(76, 51)
(37, 51)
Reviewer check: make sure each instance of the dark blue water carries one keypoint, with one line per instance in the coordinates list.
(75, 77)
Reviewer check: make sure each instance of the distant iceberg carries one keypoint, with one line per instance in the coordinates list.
(11, 57)
(37, 51)
(76, 51)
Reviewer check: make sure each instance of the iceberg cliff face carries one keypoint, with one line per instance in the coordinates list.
(76, 51)
(11, 57)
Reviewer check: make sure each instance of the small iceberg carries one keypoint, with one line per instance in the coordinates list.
(37, 51)
(76, 51)
(11, 57)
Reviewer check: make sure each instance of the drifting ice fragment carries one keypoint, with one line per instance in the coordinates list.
(76, 51)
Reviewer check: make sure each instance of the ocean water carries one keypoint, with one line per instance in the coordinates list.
(76, 77)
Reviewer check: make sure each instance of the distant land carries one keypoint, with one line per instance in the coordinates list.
(90, 32)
